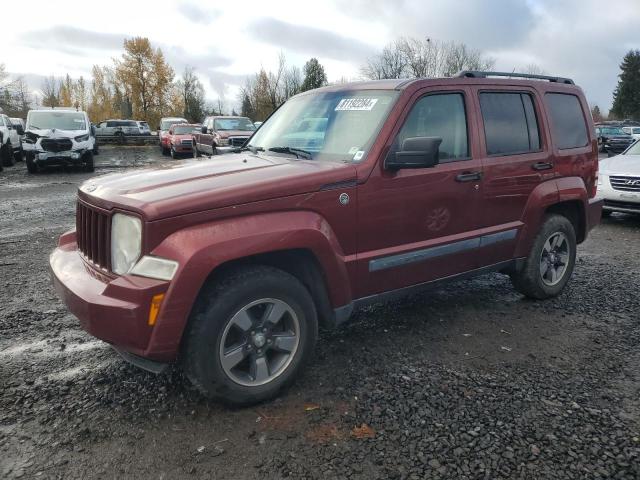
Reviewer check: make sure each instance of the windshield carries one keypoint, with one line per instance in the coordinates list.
(166, 124)
(182, 130)
(57, 119)
(633, 149)
(613, 131)
(332, 126)
(233, 124)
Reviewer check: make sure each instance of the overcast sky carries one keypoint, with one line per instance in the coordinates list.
(227, 40)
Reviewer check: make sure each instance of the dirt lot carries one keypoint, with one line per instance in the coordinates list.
(469, 381)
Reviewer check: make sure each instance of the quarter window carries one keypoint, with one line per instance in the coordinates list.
(510, 124)
(439, 115)
(567, 121)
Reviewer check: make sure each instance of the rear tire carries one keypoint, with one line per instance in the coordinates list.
(272, 344)
(550, 263)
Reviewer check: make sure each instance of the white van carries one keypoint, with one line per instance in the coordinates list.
(59, 137)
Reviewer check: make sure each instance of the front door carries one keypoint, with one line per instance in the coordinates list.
(417, 225)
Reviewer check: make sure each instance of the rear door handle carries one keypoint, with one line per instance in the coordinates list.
(542, 166)
(469, 176)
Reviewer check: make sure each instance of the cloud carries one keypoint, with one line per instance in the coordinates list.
(194, 13)
(480, 24)
(179, 58)
(309, 40)
(72, 40)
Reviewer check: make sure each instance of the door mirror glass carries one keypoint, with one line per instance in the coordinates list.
(93, 131)
(19, 129)
(415, 152)
(204, 129)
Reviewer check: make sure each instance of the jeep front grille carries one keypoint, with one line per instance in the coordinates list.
(93, 231)
(626, 184)
(56, 144)
(187, 142)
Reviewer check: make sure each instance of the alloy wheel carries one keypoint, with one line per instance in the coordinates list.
(259, 342)
(554, 259)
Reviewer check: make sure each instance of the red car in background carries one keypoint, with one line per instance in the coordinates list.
(163, 131)
(180, 139)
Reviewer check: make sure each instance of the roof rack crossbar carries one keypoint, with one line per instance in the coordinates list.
(478, 74)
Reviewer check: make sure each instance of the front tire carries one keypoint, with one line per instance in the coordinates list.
(174, 154)
(6, 153)
(250, 335)
(32, 167)
(19, 154)
(550, 263)
(88, 162)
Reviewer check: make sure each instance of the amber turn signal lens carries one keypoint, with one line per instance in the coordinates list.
(156, 301)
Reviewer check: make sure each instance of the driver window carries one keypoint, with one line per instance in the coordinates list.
(439, 115)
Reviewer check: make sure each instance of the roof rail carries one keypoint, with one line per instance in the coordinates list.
(477, 74)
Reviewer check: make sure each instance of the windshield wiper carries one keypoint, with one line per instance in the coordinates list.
(252, 148)
(298, 152)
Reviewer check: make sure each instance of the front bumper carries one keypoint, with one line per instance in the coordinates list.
(180, 148)
(617, 200)
(616, 147)
(115, 310)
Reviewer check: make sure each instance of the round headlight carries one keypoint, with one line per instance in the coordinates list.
(126, 242)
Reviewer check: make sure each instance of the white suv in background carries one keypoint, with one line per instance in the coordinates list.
(633, 131)
(10, 142)
(619, 182)
(59, 137)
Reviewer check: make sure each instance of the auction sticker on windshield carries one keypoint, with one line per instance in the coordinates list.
(356, 104)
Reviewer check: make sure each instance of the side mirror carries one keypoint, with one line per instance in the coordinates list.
(93, 131)
(19, 129)
(415, 152)
(204, 129)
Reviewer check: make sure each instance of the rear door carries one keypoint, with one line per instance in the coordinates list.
(515, 160)
(417, 225)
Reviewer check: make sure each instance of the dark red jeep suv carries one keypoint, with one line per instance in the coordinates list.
(346, 195)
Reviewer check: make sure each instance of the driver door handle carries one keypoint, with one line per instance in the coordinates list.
(542, 166)
(469, 176)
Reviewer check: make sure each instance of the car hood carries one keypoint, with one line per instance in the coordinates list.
(619, 137)
(197, 185)
(55, 133)
(626, 165)
(183, 136)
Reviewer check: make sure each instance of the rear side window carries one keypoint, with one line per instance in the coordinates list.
(439, 115)
(567, 121)
(510, 123)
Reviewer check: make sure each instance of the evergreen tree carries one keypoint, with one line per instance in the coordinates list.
(314, 75)
(626, 97)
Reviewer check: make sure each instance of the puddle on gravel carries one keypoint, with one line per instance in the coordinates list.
(44, 348)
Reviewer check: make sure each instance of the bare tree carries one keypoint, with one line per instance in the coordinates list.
(414, 58)
(390, 63)
(50, 92)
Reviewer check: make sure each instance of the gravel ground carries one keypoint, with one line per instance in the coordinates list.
(469, 381)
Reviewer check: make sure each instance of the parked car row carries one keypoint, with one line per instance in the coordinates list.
(122, 128)
(10, 141)
(216, 135)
